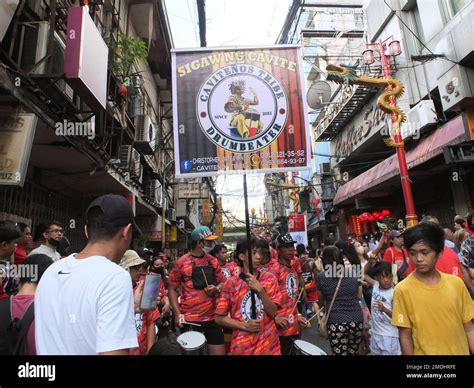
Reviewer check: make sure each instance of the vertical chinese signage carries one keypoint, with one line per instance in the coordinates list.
(206, 211)
(17, 132)
(297, 228)
(239, 109)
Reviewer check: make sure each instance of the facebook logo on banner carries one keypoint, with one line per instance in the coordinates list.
(186, 165)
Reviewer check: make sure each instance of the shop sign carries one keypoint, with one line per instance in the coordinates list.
(17, 132)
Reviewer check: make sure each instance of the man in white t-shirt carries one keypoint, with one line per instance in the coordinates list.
(50, 240)
(84, 303)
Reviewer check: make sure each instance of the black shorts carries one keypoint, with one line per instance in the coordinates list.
(211, 330)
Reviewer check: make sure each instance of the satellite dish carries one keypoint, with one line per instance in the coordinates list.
(318, 95)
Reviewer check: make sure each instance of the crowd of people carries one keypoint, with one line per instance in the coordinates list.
(401, 292)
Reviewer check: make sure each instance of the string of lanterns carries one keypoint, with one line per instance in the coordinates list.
(375, 216)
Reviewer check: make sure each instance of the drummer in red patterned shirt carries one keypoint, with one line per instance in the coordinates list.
(288, 273)
(229, 268)
(250, 336)
(199, 278)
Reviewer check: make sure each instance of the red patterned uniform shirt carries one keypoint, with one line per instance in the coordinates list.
(235, 299)
(288, 287)
(142, 320)
(230, 269)
(271, 266)
(194, 304)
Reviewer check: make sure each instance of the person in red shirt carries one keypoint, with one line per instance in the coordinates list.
(250, 336)
(200, 279)
(268, 264)
(144, 320)
(229, 268)
(449, 260)
(24, 244)
(447, 263)
(9, 235)
(398, 255)
(288, 273)
(309, 274)
(26, 295)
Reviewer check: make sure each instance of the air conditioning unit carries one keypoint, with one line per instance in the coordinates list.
(130, 160)
(35, 49)
(419, 117)
(153, 191)
(325, 168)
(145, 135)
(171, 214)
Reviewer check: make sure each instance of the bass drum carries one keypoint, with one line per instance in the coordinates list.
(303, 348)
(192, 343)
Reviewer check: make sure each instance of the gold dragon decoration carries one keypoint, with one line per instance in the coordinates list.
(394, 89)
(293, 195)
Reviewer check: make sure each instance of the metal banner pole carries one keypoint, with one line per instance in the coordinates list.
(249, 251)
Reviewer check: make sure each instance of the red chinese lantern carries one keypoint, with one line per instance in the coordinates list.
(122, 90)
(371, 218)
(385, 212)
(376, 215)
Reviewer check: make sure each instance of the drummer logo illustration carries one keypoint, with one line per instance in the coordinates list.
(226, 272)
(138, 321)
(246, 307)
(241, 108)
(291, 285)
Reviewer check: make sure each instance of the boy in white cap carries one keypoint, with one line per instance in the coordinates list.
(144, 320)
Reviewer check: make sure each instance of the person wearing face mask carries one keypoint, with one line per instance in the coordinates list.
(144, 319)
(199, 277)
(50, 241)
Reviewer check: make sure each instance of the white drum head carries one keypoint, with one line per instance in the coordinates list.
(309, 348)
(191, 340)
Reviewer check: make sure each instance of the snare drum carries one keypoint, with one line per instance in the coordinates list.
(303, 348)
(192, 343)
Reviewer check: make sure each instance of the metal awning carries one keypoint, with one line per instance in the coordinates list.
(451, 133)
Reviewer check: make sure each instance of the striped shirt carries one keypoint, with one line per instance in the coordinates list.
(195, 304)
(235, 300)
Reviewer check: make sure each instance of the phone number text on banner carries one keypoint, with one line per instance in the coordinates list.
(239, 110)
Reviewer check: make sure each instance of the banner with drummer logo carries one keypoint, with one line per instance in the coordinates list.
(297, 228)
(237, 109)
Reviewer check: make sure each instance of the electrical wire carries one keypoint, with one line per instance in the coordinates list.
(415, 35)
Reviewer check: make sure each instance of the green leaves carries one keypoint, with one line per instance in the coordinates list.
(129, 51)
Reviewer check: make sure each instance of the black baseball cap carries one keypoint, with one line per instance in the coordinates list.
(117, 212)
(144, 252)
(283, 240)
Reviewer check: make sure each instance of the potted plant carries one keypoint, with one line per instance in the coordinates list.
(128, 51)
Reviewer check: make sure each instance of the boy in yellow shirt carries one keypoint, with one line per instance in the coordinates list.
(432, 310)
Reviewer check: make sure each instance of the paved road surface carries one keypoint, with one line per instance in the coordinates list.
(311, 335)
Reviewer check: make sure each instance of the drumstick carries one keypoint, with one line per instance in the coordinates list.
(205, 279)
(299, 296)
(315, 315)
(189, 323)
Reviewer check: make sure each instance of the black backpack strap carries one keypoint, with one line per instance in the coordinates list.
(5, 314)
(25, 325)
(5, 321)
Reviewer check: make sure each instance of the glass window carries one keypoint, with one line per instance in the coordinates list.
(459, 4)
(419, 25)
